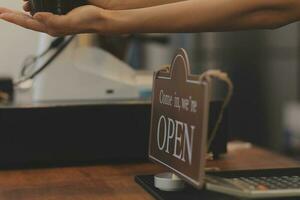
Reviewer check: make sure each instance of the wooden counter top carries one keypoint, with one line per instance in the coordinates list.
(113, 181)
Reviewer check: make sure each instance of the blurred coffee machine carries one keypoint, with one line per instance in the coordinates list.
(84, 71)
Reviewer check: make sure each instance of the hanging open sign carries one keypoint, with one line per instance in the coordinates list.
(180, 106)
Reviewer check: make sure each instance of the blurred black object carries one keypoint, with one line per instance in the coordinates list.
(70, 133)
(219, 144)
(59, 7)
(6, 90)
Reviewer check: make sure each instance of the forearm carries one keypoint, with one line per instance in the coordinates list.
(130, 4)
(203, 15)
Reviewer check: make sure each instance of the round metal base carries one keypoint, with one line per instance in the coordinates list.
(168, 182)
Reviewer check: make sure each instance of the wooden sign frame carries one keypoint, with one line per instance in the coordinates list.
(179, 120)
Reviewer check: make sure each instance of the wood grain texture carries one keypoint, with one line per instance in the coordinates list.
(112, 181)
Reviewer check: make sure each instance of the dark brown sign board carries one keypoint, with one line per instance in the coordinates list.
(180, 107)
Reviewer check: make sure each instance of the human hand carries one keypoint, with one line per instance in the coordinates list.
(84, 19)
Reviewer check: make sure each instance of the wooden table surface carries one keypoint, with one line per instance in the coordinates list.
(112, 181)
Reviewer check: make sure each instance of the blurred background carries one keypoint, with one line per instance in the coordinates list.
(264, 66)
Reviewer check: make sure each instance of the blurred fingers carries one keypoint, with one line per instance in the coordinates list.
(4, 10)
(23, 20)
(27, 7)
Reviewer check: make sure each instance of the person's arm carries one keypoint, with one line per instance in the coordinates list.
(185, 16)
(129, 4)
(205, 16)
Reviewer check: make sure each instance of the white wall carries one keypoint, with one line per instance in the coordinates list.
(15, 43)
